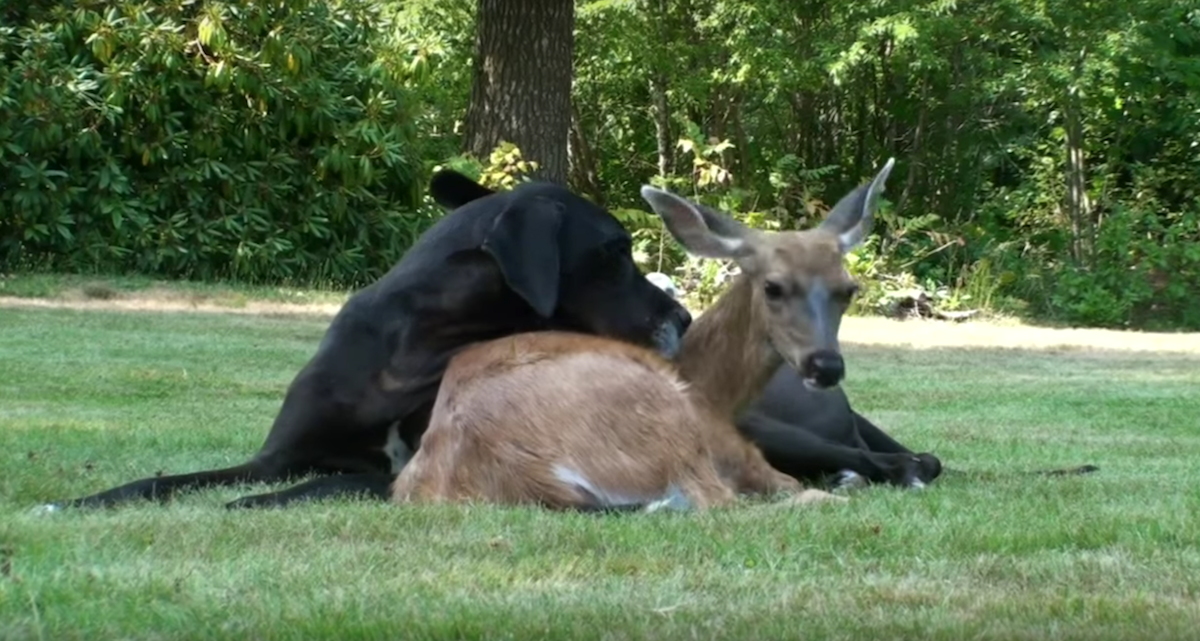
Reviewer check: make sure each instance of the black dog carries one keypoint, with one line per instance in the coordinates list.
(814, 435)
(536, 257)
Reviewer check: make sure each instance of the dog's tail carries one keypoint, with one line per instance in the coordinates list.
(1065, 471)
(1069, 471)
(452, 190)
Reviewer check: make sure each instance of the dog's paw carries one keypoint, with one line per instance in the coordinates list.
(848, 480)
(913, 472)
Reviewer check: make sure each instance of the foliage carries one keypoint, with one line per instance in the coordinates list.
(505, 167)
(210, 140)
(1046, 151)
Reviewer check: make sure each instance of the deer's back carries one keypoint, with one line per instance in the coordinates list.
(558, 419)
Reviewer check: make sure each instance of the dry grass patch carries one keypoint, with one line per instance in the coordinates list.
(170, 301)
(920, 334)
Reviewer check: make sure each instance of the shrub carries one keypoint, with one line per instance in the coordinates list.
(209, 140)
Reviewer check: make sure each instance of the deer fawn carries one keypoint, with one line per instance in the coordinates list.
(582, 422)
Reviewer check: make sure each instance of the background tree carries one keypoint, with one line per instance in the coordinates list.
(521, 92)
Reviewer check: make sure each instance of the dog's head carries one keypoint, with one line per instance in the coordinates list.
(571, 261)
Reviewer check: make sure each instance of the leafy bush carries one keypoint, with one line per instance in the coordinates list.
(1143, 274)
(236, 139)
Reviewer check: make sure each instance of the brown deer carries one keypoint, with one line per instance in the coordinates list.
(573, 421)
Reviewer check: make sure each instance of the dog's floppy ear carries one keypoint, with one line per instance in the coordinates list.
(524, 243)
(452, 190)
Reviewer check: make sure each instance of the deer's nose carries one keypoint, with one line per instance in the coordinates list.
(825, 368)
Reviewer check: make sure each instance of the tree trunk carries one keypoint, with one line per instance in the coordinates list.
(741, 142)
(521, 91)
(1079, 205)
(584, 176)
(662, 125)
(915, 152)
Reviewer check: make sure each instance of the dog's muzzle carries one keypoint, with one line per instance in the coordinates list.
(669, 336)
(667, 340)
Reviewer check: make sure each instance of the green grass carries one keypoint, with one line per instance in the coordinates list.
(90, 399)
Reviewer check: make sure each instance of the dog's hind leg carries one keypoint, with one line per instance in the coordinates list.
(360, 471)
(370, 485)
(161, 488)
(289, 452)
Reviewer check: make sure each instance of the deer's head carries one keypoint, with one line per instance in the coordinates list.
(800, 284)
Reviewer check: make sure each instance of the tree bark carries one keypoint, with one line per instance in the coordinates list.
(521, 92)
(1079, 205)
(916, 152)
(584, 174)
(666, 29)
(662, 125)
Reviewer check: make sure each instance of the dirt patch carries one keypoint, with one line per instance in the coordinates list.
(915, 334)
(172, 301)
(933, 334)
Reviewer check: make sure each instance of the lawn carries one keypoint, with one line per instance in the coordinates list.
(91, 397)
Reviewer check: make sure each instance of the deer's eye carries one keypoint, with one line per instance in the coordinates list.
(773, 290)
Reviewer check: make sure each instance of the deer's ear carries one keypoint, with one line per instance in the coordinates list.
(701, 230)
(852, 217)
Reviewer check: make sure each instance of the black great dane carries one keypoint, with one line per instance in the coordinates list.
(814, 435)
(536, 257)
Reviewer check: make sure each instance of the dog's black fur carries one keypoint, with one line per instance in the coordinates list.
(815, 436)
(536, 257)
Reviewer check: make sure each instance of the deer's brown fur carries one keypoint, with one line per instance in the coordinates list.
(577, 421)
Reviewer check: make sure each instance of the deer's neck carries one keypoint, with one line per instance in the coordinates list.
(726, 355)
